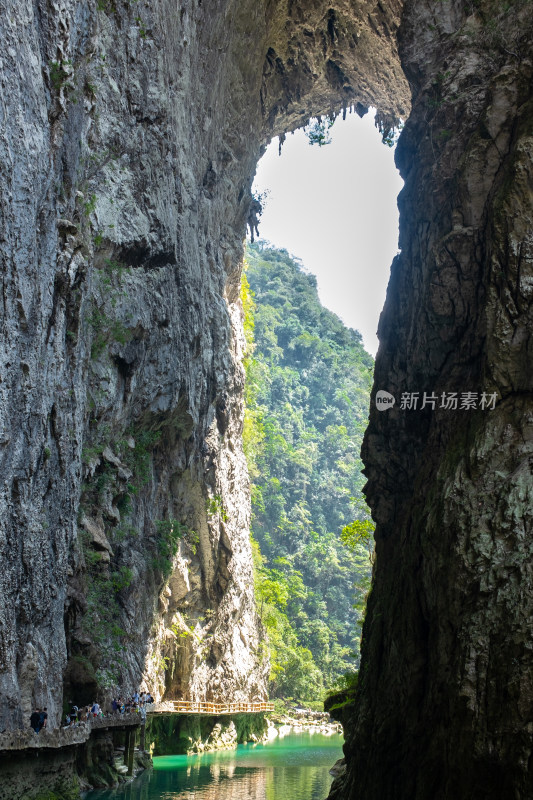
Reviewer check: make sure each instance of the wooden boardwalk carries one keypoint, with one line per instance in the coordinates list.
(212, 709)
(54, 739)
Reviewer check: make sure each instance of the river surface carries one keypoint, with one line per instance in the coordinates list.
(291, 767)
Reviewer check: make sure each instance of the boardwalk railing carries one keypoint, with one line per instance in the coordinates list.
(214, 709)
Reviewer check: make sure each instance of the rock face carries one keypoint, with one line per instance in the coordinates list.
(58, 764)
(130, 133)
(444, 701)
(187, 734)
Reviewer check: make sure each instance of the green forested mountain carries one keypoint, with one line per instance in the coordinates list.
(308, 388)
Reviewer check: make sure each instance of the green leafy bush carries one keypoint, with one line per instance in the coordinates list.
(169, 534)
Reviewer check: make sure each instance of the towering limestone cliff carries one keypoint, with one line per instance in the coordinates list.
(130, 132)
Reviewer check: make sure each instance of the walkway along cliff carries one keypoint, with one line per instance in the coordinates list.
(130, 134)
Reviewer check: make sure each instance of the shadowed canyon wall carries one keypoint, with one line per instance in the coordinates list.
(130, 133)
(445, 691)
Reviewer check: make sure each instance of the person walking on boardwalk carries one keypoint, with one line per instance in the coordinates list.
(35, 719)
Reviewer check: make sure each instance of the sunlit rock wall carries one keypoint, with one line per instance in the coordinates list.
(129, 137)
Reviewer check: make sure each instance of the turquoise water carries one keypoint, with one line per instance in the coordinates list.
(294, 767)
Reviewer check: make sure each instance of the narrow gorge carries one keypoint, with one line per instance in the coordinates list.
(130, 132)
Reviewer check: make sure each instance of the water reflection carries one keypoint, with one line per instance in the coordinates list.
(229, 785)
(294, 767)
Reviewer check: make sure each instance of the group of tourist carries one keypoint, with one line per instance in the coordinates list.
(137, 702)
(76, 715)
(119, 705)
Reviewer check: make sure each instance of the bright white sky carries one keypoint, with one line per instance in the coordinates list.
(334, 207)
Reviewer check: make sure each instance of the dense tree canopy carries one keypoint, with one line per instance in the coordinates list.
(307, 395)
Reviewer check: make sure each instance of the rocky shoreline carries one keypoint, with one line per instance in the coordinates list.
(196, 734)
(302, 719)
(176, 734)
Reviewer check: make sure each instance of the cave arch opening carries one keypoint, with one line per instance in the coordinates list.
(334, 207)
